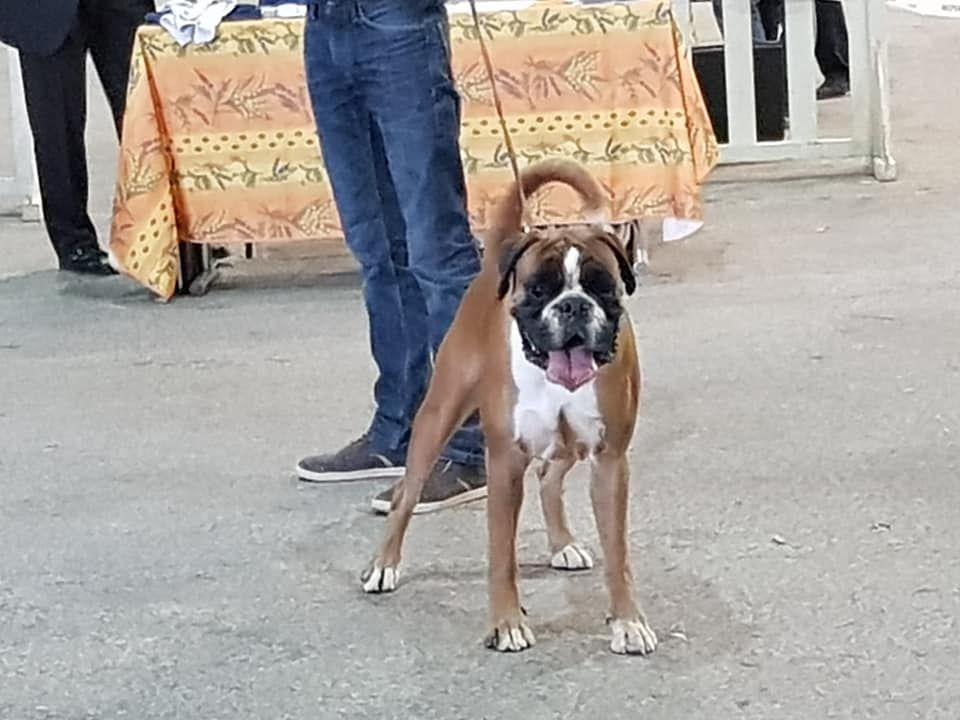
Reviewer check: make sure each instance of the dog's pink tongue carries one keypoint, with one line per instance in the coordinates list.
(571, 368)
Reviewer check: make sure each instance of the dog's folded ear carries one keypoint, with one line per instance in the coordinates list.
(624, 257)
(510, 253)
(632, 231)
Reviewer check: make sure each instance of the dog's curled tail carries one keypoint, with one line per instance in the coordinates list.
(507, 215)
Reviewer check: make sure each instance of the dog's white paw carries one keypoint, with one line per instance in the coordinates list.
(572, 557)
(510, 637)
(632, 637)
(379, 579)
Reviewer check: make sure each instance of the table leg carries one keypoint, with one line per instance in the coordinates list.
(197, 273)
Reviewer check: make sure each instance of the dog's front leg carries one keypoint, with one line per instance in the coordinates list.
(609, 491)
(509, 631)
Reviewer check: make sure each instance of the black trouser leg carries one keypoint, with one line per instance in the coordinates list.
(759, 33)
(832, 51)
(112, 27)
(771, 15)
(55, 91)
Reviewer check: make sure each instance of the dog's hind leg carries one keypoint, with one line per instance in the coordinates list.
(440, 415)
(566, 552)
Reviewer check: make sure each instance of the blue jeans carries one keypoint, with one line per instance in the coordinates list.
(388, 117)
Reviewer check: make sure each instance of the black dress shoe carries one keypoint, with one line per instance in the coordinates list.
(87, 261)
(833, 88)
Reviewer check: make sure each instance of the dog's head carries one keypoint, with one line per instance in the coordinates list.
(565, 288)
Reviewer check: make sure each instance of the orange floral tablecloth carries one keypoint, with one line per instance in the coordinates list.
(219, 143)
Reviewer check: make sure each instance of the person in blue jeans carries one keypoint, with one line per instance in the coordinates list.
(388, 117)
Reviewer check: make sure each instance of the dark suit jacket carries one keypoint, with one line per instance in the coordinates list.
(39, 27)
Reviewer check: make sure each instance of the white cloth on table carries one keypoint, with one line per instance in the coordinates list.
(284, 10)
(193, 21)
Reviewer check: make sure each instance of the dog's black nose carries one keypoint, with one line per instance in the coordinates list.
(572, 307)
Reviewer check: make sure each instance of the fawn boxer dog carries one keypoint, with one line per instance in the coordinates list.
(543, 347)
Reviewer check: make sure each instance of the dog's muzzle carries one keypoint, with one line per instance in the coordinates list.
(570, 339)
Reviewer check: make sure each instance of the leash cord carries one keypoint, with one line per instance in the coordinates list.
(507, 139)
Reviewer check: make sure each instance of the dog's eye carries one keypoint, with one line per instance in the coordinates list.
(600, 282)
(537, 291)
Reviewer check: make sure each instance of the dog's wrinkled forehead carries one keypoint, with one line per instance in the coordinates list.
(562, 257)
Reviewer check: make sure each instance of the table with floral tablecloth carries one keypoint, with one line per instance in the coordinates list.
(219, 144)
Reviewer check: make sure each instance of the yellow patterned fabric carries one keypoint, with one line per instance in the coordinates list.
(219, 143)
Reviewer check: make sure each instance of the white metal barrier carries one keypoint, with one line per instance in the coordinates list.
(869, 138)
(19, 193)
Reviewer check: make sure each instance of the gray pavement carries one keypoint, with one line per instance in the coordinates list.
(795, 507)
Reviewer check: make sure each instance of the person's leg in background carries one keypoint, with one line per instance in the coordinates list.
(832, 49)
(112, 28)
(756, 23)
(771, 16)
(55, 88)
(404, 69)
(413, 306)
(403, 325)
(413, 287)
(347, 144)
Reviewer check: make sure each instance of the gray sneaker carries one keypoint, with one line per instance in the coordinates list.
(449, 485)
(357, 461)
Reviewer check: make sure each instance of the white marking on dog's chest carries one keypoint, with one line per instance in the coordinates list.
(536, 415)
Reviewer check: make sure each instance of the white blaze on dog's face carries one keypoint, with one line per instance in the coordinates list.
(574, 306)
(571, 266)
(566, 300)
